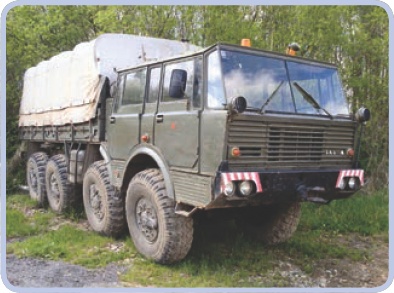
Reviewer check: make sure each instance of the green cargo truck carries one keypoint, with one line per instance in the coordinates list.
(180, 131)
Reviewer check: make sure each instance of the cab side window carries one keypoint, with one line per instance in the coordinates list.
(119, 92)
(134, 88)
(197, 83)
(154, 86)
(215, 96)
(193, 88)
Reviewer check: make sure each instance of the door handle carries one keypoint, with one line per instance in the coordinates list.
(159, 118)
(112, 120)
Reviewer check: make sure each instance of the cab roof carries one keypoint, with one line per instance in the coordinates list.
(238, 48)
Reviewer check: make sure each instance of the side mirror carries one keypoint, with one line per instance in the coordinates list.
(178, 83)
(363, 115)
(238, 105)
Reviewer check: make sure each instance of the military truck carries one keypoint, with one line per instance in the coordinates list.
(176, 130)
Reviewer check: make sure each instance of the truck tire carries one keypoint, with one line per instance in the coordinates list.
(35, 177)
(60, 192)
(104, 207)
(157, 232)
(272, 224)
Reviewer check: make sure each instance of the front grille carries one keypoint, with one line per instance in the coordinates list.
(294, 143)
(276, 143)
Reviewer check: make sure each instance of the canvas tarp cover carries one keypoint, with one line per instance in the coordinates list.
(66, 88)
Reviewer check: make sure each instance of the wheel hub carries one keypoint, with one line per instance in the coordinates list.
(33, 178)
(54, 185)
(95, 201)
(147, 219)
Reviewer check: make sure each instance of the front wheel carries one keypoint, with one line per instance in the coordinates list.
(272, 224)
(157, 232)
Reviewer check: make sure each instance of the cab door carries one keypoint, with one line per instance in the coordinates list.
(150, 110)
(124, 127)
(177, 118)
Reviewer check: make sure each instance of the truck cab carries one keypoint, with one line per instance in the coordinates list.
(236, 126)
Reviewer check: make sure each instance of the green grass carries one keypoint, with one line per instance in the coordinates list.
(217, 259)
(21, 226)
(23, 218)
(227, 258)
(363, 214)
(221, 255)
(20, 201)
(72, 245)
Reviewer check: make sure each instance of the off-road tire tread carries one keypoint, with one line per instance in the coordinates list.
(115, 219)
(283, 225)
(272, 224)
(40, 159)
(68, 195)
(178, 229)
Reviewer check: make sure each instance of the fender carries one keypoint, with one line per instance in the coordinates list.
(155, 154)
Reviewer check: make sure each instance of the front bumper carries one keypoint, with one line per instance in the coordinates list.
(284, 186)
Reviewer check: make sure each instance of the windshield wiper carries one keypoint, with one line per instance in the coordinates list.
(271, 96)
(310, 99)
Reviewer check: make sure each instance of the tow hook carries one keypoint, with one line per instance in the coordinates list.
(303, 193)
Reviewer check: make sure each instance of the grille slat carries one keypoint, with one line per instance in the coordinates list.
(281, 139)
(268, 144)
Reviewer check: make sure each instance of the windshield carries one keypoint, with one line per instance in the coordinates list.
(276, 85)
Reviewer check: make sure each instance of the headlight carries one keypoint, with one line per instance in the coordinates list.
(229, 188)
(353, 184)
(342, 185)
(246, 188)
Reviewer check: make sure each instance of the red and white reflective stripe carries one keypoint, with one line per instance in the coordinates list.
(256, 179)
(238, 176)
(350, 173)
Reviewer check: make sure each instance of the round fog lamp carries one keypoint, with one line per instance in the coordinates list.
(352, 183)
(246, 188)
(229, 188)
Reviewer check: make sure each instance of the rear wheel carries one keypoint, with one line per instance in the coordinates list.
(61, 193)
(35, 177)
(272, 224)
(157, 232)
(104, 206)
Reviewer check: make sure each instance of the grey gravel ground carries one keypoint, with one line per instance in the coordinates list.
(29, 272)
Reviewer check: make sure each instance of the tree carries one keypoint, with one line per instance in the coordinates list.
(353, 37)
